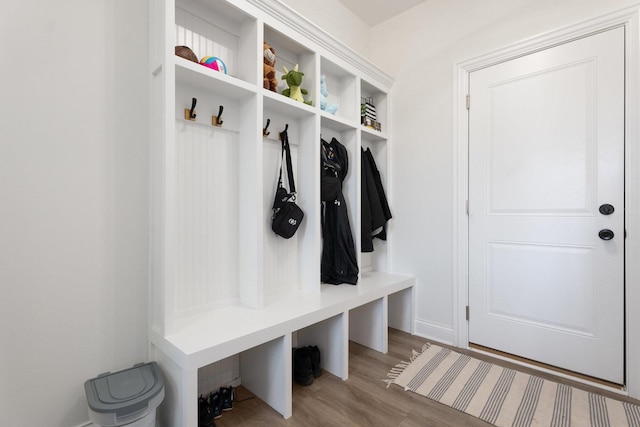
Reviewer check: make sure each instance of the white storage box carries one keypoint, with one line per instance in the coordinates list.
(126, 398)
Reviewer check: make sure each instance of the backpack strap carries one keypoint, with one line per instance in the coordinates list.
(286, 151)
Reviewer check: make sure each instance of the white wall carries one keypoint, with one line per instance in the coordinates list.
(420, 49)
(336, 19)
(73, 202)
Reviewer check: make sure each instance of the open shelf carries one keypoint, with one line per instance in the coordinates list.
(287, 106)
(379, 97)
(336, 123)
(206, 79)
(342, 89)
(218, 29)
(373, 135)
(290, 53)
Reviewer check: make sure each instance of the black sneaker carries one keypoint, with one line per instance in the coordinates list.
(302, 372)
(226, 397)
(205, 414)
(216, 404)
(314, 354)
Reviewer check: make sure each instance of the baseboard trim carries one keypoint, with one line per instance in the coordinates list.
(434, 331)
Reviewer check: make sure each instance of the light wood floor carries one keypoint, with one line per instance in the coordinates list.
(364, 399)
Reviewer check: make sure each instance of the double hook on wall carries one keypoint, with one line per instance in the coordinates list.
(190, 114)
(266, 133)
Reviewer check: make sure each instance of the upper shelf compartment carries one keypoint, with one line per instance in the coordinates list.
(341, 92)
(289, 53)
(373, 111)
(214, 28)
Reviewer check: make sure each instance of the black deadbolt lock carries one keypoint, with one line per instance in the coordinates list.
(606, 209)
(606, 234)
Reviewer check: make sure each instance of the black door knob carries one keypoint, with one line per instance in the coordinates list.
(606, 209)
(606, 234)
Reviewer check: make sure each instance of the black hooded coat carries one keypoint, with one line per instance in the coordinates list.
(339, 262)
(375, 208)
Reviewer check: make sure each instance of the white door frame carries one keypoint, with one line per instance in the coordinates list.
(630, 19)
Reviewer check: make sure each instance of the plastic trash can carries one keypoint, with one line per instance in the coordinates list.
(126, 398)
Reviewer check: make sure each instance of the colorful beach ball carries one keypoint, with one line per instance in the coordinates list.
(214, 63)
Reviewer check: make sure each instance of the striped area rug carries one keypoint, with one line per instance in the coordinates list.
(504, 397)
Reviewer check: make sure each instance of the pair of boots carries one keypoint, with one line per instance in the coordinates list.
(306, 364)
(211, 407)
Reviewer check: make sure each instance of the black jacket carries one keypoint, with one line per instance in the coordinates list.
(375, 208)
(339, 262)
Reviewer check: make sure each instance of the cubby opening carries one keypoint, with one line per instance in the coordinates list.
(330, 337)
(287, 261)
(208, 206)
(281, 264)
(266, 371)
(261, 369)
(342, 90)
(347, 136)
(379, 99)
(377, 260)
(290, 53)
(218, 29)
(368, 325)
(401, 310)
(223, 373)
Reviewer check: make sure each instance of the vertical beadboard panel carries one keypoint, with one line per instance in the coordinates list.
(207, 216)
(280, 255)
(218, 374)
(206, 38)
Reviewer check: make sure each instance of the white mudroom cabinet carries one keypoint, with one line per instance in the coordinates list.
(229, 299)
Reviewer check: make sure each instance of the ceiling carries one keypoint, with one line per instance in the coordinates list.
(373, 12)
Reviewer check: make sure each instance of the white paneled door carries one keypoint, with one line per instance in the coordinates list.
(546, 206)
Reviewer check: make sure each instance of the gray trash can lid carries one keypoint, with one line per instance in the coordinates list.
(124, 392)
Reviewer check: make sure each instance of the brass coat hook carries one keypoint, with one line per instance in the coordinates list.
(216, 120)
(190, 114)
(264, 130)
(286, 128)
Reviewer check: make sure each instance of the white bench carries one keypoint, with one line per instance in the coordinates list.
(264, 339)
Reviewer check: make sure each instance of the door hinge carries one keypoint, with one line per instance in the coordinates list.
(467, 312)
(466, 206)
(468, 102)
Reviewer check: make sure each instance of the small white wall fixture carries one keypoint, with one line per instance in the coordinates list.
(629, 18)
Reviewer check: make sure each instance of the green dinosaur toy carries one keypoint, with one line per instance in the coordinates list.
(294, 80)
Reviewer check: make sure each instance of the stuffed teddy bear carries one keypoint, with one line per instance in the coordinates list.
(269, 81)
(294, 80)
(324, 92)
